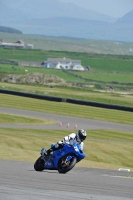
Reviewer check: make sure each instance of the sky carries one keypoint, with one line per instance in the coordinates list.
(113, 8)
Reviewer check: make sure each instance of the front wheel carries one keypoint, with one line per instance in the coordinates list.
(64, 166)
(39, 164)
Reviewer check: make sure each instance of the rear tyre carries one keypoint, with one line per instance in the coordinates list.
(39, 164)
(64, 169)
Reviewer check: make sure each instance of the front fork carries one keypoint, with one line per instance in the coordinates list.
(66, 162)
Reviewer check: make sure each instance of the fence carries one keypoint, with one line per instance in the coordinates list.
(74, 101)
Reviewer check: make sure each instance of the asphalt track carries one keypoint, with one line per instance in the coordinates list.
(80, 122)
(19, 180)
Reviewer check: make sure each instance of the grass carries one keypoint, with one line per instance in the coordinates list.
(118, 98)
(103, 148)
(10, 69)
(97, 62)
(107, 77)
(16, 119)
(66, 109)
(105, 70)
(110, 65)
(71, 44)
(118, 76)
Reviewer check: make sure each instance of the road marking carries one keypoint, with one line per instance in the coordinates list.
(119, 176)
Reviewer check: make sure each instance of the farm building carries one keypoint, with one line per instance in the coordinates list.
(16, 45)
(63, 63)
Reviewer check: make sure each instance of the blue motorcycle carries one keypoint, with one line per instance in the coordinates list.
(63, 159)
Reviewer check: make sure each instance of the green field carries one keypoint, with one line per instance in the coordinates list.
(63, 108)
(124, 99)
(110, 67)
(103, 148)
(117, 78)
(124, 76)
(9, 69)
(71, 44)
(16, 119)
(96, 61)
(106, 71)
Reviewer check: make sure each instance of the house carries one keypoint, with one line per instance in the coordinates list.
(16, 45)
(63, 63)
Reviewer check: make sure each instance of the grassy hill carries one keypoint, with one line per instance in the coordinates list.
(9, 30)
(74, 87)
(109, 79)
(72, 44)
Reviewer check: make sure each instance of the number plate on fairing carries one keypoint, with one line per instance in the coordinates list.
(76, 148)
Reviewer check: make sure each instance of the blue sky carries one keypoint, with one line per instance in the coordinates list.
(113, 8)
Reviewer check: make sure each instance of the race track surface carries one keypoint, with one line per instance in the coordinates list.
(19, 180)
(80, 122)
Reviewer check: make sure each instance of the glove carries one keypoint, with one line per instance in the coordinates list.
(56, 146)
(71, 142)
(60, 142)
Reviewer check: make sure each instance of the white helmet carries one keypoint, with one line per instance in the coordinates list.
(81, 135)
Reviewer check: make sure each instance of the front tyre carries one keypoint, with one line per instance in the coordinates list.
(39, 164)
(65, 167)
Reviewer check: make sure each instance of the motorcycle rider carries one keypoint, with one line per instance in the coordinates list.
(78, 137)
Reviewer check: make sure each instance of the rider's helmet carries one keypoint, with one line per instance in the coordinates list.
(81, 135)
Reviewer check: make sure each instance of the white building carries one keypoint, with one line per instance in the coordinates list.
(16, 45)
(63, 63)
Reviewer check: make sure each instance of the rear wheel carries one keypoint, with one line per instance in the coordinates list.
(39, 164)
(65, 166)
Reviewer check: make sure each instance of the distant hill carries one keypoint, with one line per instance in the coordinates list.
(50, 9)
(55, 18)
(127, 19)
(10, 15)
(9, 30)
(78, 28)
(41, 9)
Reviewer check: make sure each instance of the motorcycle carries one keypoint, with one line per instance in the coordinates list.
(63, 159)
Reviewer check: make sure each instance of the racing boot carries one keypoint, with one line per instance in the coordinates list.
(49, 151)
